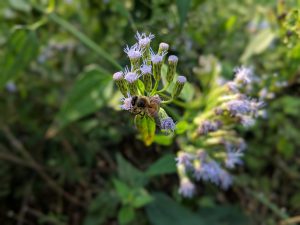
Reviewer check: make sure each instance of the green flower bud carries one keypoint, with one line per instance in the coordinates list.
(118, 77)
(172, 60)
(178, 86)
(163, 47)
(146, 71)
(132, 79)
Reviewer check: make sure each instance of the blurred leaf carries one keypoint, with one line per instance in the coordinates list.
(295, 200)
(229, 25)
(126, 215)
(141, 198)
(285, 147)
(146, 126)
(291, 105)
(181, 127)
(90, 92)
(225, 215)
(135, 197)
(183, 8)
(165, 165)
(130, 174)
(122, 189)
(165, 210)
(141, 86)
(259, 43)
(22, 5)
(187, 92)
(163, 139)
(21, 49)
(102, 207)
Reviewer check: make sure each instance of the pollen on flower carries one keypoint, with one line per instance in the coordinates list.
(131, 77)
(143, 39)
(157, 58)
(133, 52)
(146, 69)
(126, 103)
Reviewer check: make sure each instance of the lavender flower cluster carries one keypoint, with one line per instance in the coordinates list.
(220, 148)
(143, 78)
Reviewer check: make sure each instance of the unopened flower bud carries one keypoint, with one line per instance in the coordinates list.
(118, 77)
(132, 79)
(146, 71)
(157, 61)
(163, 47)
(172, 60)
(181, 80)
(166, 123)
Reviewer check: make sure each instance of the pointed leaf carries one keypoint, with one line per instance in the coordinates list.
(146, 126)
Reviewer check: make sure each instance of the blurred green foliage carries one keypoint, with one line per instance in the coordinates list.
(69, 156)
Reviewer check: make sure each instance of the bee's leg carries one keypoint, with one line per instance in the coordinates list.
(143, 114)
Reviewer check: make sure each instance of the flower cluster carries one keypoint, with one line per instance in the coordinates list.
(217, 148)
(139, 83)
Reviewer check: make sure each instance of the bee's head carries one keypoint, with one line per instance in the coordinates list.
(134, 100)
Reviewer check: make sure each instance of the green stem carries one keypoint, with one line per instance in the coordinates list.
(164, 88)
(193, 105)
(154, 88)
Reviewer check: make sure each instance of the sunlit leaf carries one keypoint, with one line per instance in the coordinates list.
(146, 126)
(90, 92)
(260, 42)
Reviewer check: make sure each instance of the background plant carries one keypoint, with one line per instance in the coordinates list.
(67, 153)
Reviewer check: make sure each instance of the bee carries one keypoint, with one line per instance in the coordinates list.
(143, 105)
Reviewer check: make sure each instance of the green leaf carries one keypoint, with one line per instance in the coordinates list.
(146, 126)
(21, 49)
(123, 190)
(141, 198)
(181, 127)
(187, 92)
(135, 197)
(165, 165)
(165, 210)
(90, 92)
(21, 5)
(163, 139)
(102, 207)
(227, 215)
(258, 44)
(183, 8)
(126, 215)
(129, 174)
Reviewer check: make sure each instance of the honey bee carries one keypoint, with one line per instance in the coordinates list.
(144, 105)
